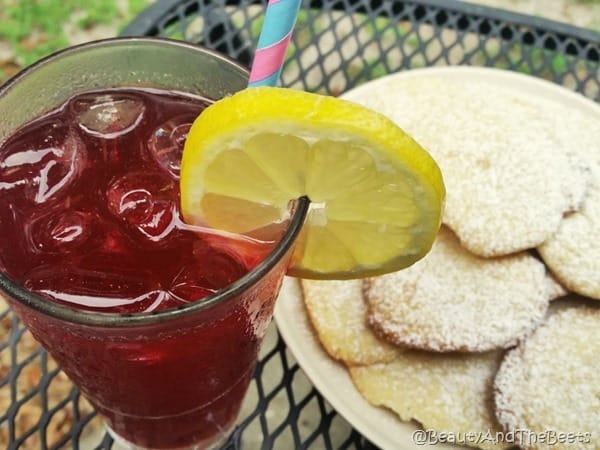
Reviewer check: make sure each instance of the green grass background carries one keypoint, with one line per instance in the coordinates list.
(36, 28)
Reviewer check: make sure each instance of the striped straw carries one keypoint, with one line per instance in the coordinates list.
(280, 18)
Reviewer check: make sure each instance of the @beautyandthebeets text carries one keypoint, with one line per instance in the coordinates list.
(517, 436)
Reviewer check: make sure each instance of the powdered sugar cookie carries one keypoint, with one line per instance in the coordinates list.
(338, 313)
(447, 393)
(453, 300)
(554, 288)
(573, 253)
(510, 176)
(550, 383)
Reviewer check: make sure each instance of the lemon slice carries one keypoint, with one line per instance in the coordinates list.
(376, 195)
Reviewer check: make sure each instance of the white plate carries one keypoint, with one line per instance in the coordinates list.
(331, 378)
(526, 84)
(380, 426)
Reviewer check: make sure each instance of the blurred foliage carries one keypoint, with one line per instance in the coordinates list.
(36, 28)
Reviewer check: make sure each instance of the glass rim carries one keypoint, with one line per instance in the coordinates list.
(168, 42)
(116, 320)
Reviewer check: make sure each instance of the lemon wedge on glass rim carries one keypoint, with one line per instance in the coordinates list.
(376, 195)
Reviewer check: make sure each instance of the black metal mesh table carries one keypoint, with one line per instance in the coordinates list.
(337, 45)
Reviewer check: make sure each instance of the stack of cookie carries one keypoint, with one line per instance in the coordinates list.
(472, 338)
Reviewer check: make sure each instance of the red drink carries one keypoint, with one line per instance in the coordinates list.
(90, 224)
(90, 206)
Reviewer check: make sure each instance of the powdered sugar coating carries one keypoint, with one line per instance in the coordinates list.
(338, 313)
(453, 300)
(551, 381)
(509, 175)
(573, 253)
(554, 288)
(444, 392)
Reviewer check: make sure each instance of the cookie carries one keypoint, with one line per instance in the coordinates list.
(448, 393)
(509, 176)
(573, 253)
(337, 312)
(550, 383)
(554, 288)
(453, 300)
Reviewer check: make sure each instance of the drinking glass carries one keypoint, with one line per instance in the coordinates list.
(161, 380)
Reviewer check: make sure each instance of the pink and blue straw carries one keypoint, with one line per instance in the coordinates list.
(280, 18)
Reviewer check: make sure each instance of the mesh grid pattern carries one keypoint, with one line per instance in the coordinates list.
(341, 43)
(337, 45)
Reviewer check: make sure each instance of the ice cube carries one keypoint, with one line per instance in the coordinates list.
(43, 168)
(166, 143)
(129, 201)
(59, 172)
(60, 230)
(108, 116)
(242, 248)
(212, 270)
(188, 287)
(97, 287)
(160, 223)
(145, 202)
